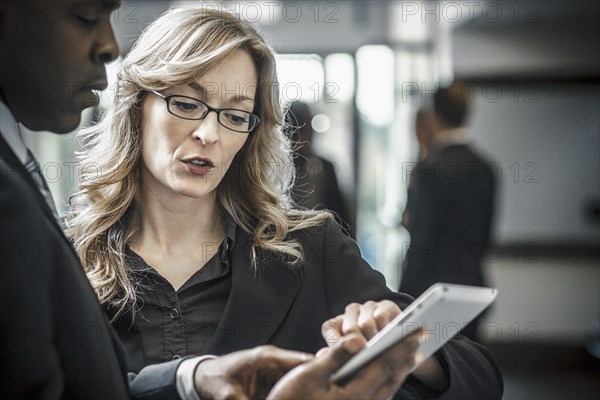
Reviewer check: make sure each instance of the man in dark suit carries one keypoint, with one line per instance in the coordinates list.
(455, 188)
(55, 341)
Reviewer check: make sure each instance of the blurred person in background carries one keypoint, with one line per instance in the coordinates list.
(188, 233)
(316, 185)
(451, 218)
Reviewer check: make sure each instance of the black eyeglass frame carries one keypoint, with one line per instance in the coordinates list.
(208, 110)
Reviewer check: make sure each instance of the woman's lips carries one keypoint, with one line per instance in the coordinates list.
(199, 166)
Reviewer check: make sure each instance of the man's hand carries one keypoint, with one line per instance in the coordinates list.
(369, 318)
(378, 380)
(246, 374)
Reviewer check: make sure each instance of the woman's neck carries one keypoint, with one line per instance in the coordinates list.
(172, 225)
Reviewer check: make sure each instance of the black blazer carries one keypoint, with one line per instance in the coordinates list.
(285, 307)
(55, 340)
(450, 228)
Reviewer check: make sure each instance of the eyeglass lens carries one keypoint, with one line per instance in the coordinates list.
(236, 120)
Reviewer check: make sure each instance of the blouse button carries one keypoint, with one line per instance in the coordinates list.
(174, 313)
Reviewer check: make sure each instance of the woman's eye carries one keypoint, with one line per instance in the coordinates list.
(238, 119)
(183, 106)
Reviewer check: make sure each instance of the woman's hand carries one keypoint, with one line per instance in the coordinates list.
(363, 319)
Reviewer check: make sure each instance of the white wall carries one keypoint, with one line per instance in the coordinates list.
(545, 141)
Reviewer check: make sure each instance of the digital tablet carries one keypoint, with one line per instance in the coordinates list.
(442, 311)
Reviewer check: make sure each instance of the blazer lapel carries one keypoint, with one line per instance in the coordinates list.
(14, 163)
(258, 302)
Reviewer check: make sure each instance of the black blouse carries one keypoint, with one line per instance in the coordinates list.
(175, 323)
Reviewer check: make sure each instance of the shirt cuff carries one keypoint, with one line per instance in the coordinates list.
(185, 377)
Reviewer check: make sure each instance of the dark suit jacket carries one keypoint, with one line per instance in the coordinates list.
(285, 307)
(55, 341)
(450, 227)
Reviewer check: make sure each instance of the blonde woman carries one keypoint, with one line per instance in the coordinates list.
(186, 229)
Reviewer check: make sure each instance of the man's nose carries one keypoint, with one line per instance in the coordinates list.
(106, 48)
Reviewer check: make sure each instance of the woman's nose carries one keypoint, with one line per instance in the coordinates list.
(207, 130)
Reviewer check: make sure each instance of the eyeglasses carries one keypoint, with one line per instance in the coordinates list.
(193, 109)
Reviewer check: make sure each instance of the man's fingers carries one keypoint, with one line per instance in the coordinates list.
(234, 394)
(388, 371)
(323, 351)
(282, 359)
(339, 354)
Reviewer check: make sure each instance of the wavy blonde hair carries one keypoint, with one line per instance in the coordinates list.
(180, 46)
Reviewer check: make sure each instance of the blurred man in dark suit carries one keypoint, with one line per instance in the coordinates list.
(455, 189)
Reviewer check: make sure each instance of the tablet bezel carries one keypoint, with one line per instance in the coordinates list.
(440, 306)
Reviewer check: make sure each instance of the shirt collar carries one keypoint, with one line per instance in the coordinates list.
(450, 137)
(11, 132)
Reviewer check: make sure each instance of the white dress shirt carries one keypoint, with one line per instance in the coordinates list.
(11, 132)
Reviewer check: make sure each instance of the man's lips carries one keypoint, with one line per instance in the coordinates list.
(91, 92)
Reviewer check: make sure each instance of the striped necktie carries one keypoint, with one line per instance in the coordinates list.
(33, 167)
